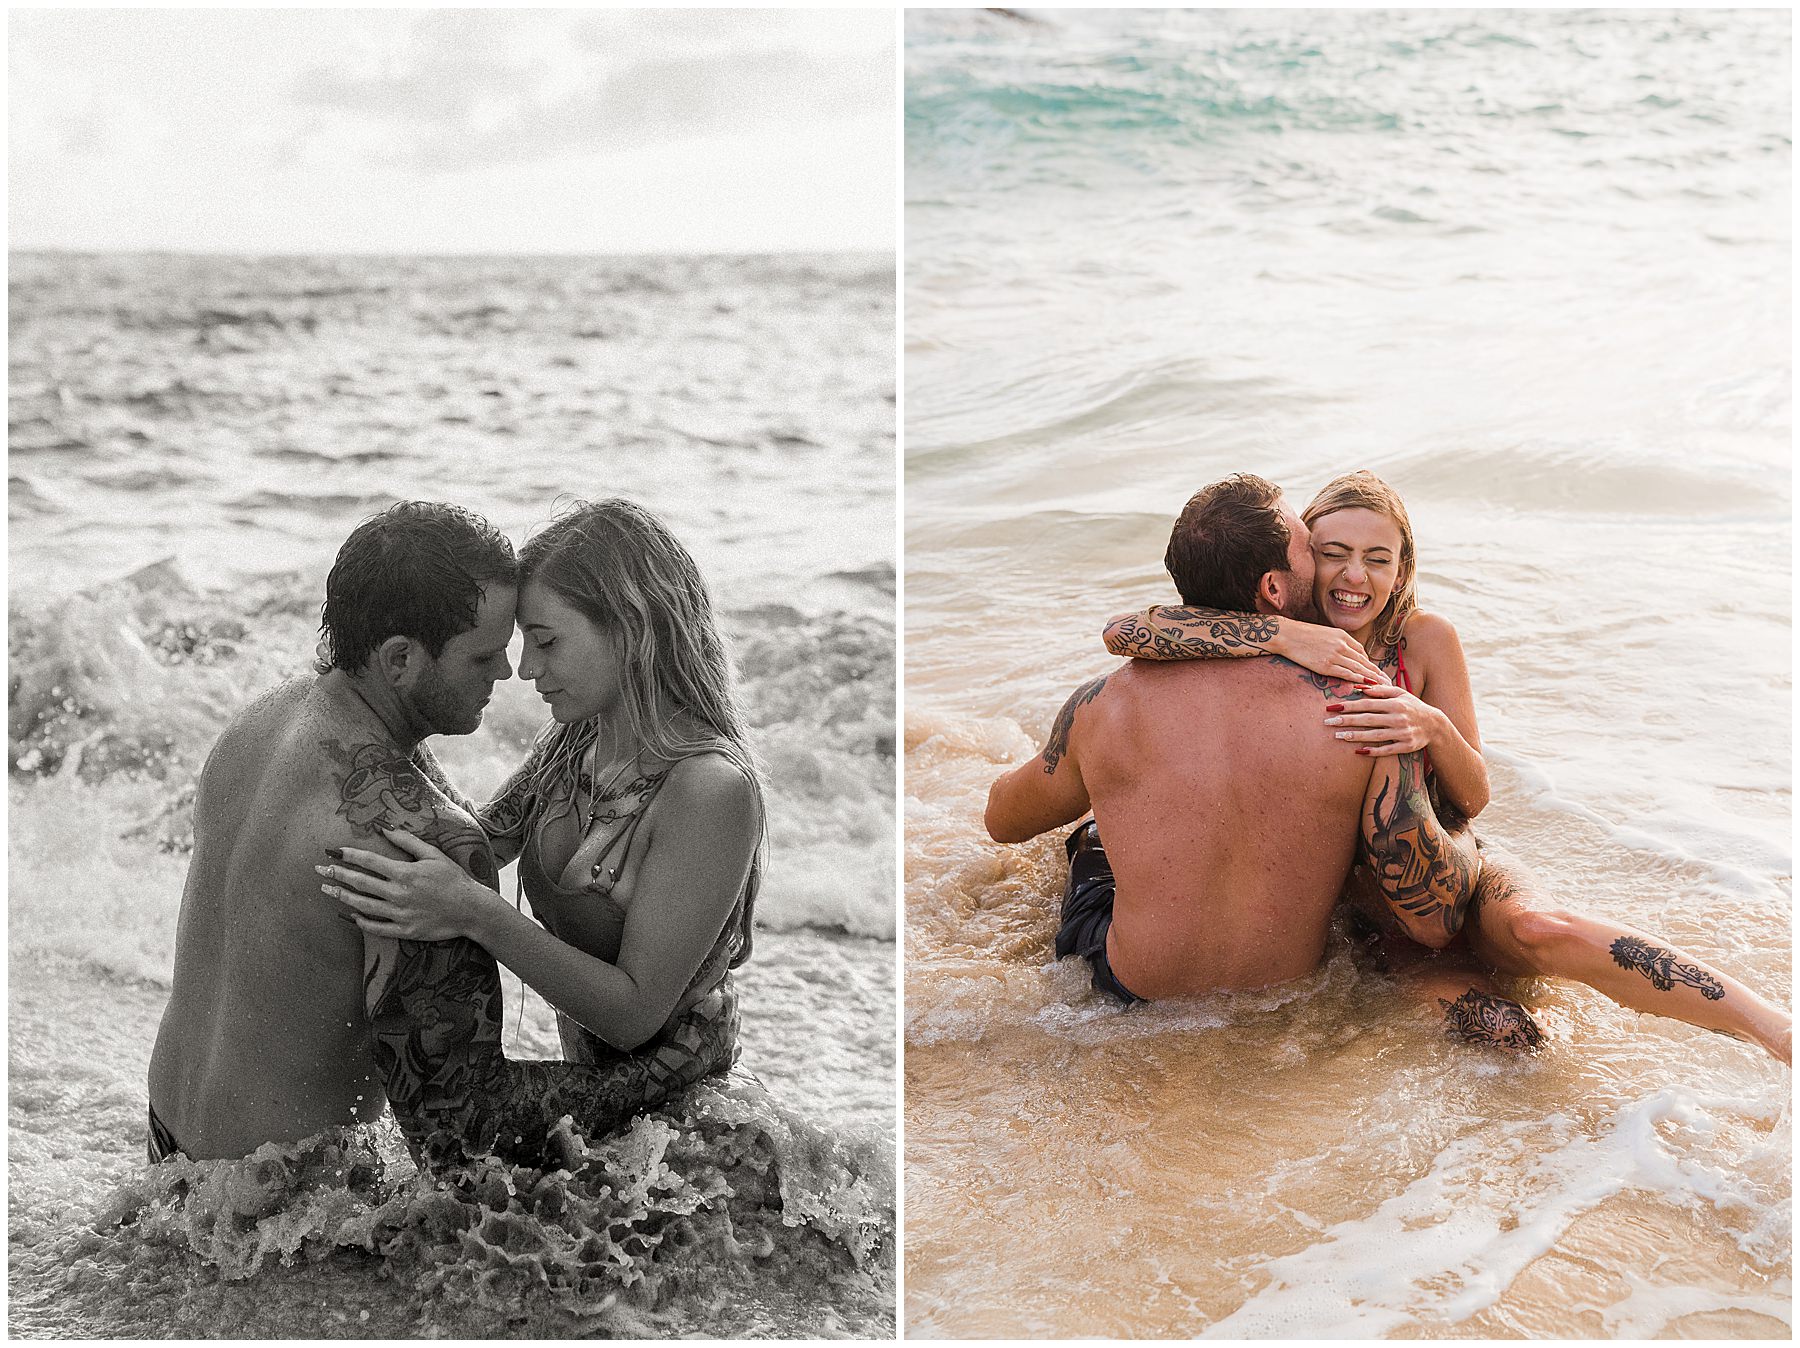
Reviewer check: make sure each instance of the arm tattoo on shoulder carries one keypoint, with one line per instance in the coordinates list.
(1058, 743)
(379, 788)
(1662, 968)
(1204, 634)
(1479, 1017)
(1325, 684)
(1419, 870)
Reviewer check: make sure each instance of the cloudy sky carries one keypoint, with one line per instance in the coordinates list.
(452, 131)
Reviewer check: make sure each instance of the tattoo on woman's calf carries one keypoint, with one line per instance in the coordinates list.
(1662, 968)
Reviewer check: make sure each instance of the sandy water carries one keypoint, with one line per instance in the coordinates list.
(190, 441)
(1532, 268)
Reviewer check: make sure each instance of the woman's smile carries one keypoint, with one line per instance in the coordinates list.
(1356, 562)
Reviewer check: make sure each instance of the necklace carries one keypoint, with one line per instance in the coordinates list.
(598, 795)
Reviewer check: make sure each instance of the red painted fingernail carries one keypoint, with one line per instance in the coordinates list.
(1335, 706)
(335, 853)
(1362, 751)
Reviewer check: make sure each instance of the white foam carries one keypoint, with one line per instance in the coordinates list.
(1450, 1244)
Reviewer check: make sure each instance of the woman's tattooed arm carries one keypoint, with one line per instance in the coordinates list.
(1190, 632)
(505, 818)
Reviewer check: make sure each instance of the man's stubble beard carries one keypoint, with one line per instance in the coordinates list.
(437, 706)
(1302, 607)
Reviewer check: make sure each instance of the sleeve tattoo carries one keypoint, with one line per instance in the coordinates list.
(435, 1012)
(505, 818)
(1422, 875)
(1058, 743)
(1190, 632)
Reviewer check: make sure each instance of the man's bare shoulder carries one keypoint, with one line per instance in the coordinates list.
(371, 786)
(1075, 707)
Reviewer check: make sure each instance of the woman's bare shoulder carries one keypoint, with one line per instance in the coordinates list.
(710, 781)
(1429, 632)
(1431, 644)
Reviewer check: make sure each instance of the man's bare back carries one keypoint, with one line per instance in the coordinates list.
(1230, 821)
(265, 1037)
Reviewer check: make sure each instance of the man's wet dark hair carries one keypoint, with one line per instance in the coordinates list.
(415, 570)
(1227, 536)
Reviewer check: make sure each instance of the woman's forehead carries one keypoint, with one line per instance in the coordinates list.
(1357, 524)
(540, 606)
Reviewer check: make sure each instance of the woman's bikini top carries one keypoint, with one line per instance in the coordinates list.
(607, 867)
(1406, 683)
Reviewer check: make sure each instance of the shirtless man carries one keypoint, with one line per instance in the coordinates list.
(1230, 822)
(285, 1019)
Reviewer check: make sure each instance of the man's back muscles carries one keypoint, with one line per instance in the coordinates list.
(264, 1037)
(1229, 813)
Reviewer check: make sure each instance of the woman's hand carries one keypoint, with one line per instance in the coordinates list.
(429, 898)
(1393, 722)
(1325, 650)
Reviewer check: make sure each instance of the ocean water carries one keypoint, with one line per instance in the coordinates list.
(1532, 267)
(190, 441)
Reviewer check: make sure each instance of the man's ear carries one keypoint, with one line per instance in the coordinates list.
(1270, 591)
(397, 661)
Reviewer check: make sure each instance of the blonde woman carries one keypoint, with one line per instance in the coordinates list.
(1365, 565)
(637, 819)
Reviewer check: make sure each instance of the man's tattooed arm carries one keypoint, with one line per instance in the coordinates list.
(435, 1008)
(1662, 968)
(1191, 632)
(1426, 880)
(1046, 791)
(1058, 743)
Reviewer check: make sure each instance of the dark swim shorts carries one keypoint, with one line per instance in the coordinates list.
(162, 1145)
(1087, 910)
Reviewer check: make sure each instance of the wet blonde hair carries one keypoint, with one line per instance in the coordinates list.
(1362, 490)
(619, 566)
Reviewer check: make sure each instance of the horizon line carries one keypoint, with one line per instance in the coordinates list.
(15, 251)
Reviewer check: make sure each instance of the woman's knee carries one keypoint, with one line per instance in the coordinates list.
(1539, 934)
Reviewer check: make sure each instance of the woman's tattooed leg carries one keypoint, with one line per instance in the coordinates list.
(1479, 1017)
(1517, 933)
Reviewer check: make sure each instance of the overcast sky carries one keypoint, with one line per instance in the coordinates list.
(452, 131)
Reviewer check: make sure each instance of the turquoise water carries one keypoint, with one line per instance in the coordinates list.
(1532, 267)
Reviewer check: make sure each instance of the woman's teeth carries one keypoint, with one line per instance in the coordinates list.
(1343, 600)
